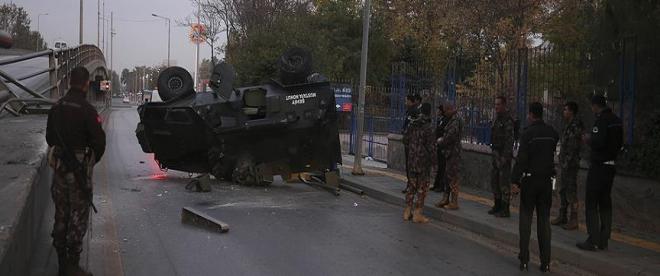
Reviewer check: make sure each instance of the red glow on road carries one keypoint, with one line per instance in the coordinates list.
(160, 176)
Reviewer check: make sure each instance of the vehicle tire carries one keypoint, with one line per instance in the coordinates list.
(295, 65)
(175, 82)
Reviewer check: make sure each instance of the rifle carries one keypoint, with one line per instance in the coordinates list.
(76, 167)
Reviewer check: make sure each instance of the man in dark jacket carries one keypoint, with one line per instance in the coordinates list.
(77, 142)
(532, 177)
(605, 141)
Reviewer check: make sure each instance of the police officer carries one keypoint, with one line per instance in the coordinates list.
(450, 143)
(569, 164)
(77, 142)
(605, 141)
(439, 184)
(502, 153)
(413, 105)
(531, 178)
(421, 155)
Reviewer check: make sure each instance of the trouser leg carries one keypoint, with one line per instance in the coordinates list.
(525, 223)
(591, 204)
(543, 231)
(411, 190)
(421, 189)
(605, 205)
(495, 180)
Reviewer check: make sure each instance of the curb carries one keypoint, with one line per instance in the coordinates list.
(560, 252)
(25, 229)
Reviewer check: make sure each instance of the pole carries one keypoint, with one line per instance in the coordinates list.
(39, 30)
(357, 164)
(80, 36)
(168, 41)
(197, 55)
(103, 47)
(98, 23)
(112, 47)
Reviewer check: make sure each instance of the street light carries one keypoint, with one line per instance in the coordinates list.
(38, 17)
(168, 36)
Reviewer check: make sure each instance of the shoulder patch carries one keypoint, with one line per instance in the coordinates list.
(99, 120)
(595, 129)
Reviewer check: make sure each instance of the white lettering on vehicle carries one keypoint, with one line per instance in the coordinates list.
(300, 98)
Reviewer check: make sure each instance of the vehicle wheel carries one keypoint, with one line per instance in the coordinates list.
(174, 82)
(295, 65)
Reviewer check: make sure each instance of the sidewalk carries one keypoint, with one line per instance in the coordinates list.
(626, 255)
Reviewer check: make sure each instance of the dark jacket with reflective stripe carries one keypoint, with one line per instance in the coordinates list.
(606, 137)
(78, 124)
(537, 151)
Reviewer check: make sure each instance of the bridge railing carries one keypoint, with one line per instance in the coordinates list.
(60, 64)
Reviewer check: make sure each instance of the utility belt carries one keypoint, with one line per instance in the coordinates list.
(58, 160)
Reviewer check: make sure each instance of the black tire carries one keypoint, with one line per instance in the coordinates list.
(175, 82)
(295, 65)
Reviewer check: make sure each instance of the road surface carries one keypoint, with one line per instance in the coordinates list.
(284, 229)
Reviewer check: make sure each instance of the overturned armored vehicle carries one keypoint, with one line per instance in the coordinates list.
(246, 134)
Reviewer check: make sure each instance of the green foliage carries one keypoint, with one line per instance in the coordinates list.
(332, 32)
(15, 20)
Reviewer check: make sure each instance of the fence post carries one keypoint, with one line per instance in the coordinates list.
(351, 140)
(371, 137)
(54, 82)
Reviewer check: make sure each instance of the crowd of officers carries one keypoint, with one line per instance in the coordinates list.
(531, 174)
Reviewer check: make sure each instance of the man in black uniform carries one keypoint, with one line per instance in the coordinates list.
(531, 177)
(439, 185)
(605, 141)
(77, 142)
(413, 105)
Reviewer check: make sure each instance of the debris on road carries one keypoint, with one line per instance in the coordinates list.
(193, 216)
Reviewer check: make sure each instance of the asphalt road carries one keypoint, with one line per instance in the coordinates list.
(284, 229)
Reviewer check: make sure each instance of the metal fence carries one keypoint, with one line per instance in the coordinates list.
(17, 97)
(549, 75)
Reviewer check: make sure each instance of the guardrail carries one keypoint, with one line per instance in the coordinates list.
(60, 64)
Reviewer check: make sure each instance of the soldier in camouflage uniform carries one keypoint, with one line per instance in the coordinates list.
(450, 143)
(420, 138)
(502, 152)
(569, 162)
(77, 142)
(413, 106)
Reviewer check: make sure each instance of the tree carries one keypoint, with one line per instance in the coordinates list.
(15, 20)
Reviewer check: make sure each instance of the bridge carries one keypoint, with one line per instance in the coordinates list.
(32, 80)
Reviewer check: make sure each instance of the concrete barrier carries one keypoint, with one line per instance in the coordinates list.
(25, 191)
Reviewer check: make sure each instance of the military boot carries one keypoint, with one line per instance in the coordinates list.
(561, 219)
(444, 201)
(73, 268)
(418, 217)
(572, 223)
(496, 207)
(453, 202)
(407, 213)
(62, 262)
(504, 210)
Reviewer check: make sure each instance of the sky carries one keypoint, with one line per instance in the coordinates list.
(140, 39)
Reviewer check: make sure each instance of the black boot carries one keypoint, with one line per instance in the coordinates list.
(561, 219)
(523, 267)
(62, 262)
(73, 268)
(587, 245)
(495, 208)
(504, 210)
(545, 268)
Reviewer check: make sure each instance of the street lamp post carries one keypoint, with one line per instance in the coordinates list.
(38, 18)
(357, 165)
(168, 35)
